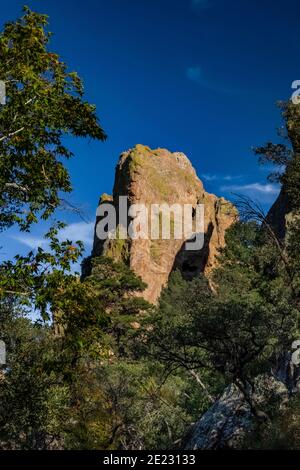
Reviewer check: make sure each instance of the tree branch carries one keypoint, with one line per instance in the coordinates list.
(11, 134)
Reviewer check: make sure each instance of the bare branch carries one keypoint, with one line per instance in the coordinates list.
(26, 294)
(16, 186)
(252, 210)
(8, 136)
(199, 381)
(66, 205)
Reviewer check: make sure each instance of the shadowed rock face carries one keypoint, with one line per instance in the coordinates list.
(279, 214)
(282, 212)
(158, 176)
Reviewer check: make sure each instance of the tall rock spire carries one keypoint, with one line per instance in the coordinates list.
(158, 176)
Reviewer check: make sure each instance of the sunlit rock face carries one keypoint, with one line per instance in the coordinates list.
(159, 176)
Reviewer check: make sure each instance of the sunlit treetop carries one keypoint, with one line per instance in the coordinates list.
(44, 103)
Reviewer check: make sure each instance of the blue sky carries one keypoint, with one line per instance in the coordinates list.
(197, 76)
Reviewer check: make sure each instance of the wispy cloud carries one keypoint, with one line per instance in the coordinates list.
(32, 242)
(256, 187)
(201, 4)
(215, 177)
(196, 74)
(258, 190)
(77, 231)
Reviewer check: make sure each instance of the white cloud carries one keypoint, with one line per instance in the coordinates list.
(209, 177)
(232, 177)
(32, 242)
(262, 192)
(77, 231)
(253, 188)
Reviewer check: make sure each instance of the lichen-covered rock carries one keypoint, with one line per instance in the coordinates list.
(223, 423)
(228, 420)
(156, 177)
(226, 423)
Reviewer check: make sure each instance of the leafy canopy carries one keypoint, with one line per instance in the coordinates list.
(44, 103)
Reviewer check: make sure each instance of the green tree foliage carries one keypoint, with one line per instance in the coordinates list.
(246, 318)
(285, 156)
(291, 178)
(103, 369)
(112, 284)
(125, 401)
(34, 394)
(236, 330)
(173, 337)
(125, 405)
(282, 432)
(44, 103)
(37, 279)
(52, 375)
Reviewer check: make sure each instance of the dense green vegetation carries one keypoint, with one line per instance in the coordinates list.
(281, 432)
(45, 103)
(103, 369)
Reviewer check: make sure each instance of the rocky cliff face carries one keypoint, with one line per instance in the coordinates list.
(158, 176)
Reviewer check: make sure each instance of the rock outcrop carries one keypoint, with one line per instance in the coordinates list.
(158, 176)
(280, 214)
(226, 423)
